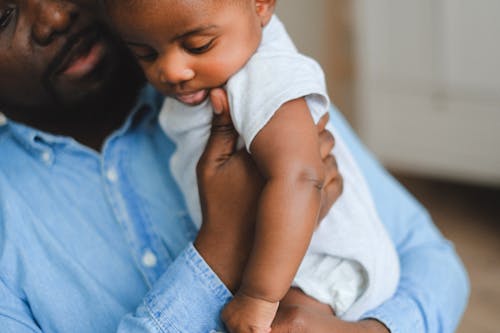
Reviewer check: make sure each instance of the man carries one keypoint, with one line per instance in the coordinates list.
(98, 240)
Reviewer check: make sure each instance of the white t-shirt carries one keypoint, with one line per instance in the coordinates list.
(274, 75)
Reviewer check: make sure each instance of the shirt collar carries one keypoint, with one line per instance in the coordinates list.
(41, 144)
(148, 103)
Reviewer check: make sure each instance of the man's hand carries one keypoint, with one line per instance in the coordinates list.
(299, 313)
(230, 185)
(302, 319)
(334, 183)
(229, 188)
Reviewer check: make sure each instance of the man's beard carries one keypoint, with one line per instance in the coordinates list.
(113, 97)
(117, 86)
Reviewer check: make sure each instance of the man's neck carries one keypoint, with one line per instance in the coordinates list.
(92, 120)
(88, 123)
(91, 132)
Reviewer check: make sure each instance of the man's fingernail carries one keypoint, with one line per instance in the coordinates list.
(217, 108)
(216, 104)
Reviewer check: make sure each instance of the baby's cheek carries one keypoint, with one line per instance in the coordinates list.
(223, 68)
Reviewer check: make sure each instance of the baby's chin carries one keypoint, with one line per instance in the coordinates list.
(193, 98)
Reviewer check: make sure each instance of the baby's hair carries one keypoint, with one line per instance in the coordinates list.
(128, 3)
(131, 3)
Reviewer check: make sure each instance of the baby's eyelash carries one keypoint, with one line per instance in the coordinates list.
(202, 49)
(149, 57)
(146, 56)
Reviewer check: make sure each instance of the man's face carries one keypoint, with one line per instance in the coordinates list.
(53, 52)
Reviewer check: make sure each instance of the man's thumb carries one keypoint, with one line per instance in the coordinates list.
(223, 137)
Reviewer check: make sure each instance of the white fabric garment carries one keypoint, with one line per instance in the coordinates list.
(351, 263)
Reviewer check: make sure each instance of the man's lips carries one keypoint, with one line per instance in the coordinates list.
(83, 64)
(80, 55)
(192, 98)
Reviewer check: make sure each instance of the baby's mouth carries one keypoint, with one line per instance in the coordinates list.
(192, 98)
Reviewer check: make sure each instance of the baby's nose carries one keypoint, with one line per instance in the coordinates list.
(175, 74)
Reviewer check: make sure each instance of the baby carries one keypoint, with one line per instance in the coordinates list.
(276, 95)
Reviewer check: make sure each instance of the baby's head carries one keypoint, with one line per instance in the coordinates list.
(187, 47)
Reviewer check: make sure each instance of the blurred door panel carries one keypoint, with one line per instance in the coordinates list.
(429, 85)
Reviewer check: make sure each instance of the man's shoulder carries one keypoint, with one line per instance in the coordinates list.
(4, 133)
(21, 167)
(14, 155)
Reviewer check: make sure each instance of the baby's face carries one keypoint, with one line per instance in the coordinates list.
(187, 47)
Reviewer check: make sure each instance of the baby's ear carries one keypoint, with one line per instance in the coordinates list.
(265, 10)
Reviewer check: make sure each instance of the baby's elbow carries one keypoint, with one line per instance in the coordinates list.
(299, 174)
(312, 176)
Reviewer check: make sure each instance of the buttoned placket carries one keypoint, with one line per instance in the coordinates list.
(3, 119)
(39, 144)
(148, 250)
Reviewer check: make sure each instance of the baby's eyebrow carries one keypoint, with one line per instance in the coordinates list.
(135, 43)
(195, 31)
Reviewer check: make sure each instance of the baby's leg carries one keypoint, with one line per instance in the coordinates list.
(295, 297)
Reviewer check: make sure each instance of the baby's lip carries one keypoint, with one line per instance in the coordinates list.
(192, 98)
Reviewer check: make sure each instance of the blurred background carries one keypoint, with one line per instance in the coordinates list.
(419, 80)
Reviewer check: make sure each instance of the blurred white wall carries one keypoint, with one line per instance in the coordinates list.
(306, 22)
(429, 86)
(322, 29)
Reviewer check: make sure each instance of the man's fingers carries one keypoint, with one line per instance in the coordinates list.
(322, 122)
(331, 168)
(223, 133)
(334, 185)
(326, 143)
(331, 193)
(218, 97)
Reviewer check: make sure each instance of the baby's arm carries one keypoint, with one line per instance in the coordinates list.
(286, 151)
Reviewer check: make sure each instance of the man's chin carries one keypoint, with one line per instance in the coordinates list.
(105, 85)
(67, 90)
(72, 95)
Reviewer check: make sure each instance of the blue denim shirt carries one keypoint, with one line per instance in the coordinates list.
(95, 242)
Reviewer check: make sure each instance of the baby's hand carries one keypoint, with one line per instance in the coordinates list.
(245, 314)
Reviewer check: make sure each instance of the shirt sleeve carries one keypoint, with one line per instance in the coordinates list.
(187, 298)
(434, 288)
(269, 80)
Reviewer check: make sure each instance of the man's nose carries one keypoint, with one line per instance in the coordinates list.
(175, 70)
(52, 18)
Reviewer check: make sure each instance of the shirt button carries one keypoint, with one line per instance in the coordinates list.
(46, 156)
(112, 175)
(149, 259)
(3, 119)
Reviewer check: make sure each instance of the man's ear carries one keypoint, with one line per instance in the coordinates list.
(265, 10)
